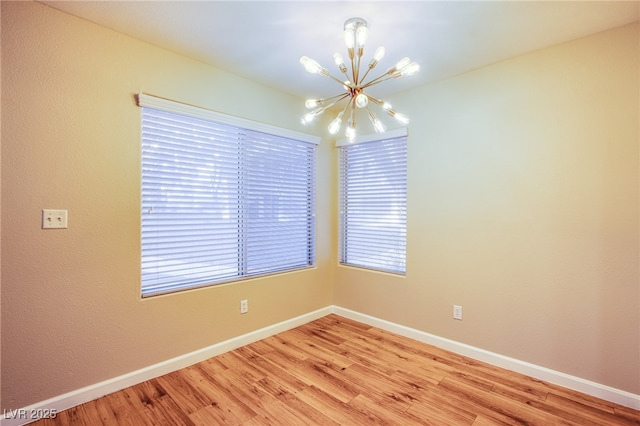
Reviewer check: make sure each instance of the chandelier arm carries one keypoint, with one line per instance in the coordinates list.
(391, 73)
(345, 95)
(354, 77)
(351, 125)
(367, 72)
(326, 107)
(341, 95)
(377, 80)
(374, 100)
(347, 104)
(378, 125)
(352, 104)
(328, 74)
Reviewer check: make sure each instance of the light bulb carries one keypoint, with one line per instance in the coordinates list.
(410, 69)
(362, 100)
(376, 57)
(335, 125)
(349, 37)
(310, 116)
(399, 65)
(400, 117)
(307, 118)
(402, 63)
(350, 133)
(403, 119)
(310, 65)
(361, 35)
(312, 103)
(378, 125)
(387, 106)
(337, 58)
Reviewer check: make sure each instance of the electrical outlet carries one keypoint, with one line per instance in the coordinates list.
(457, 312)
(244, 306)
(54, 219)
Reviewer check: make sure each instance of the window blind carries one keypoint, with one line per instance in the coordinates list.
(221, 202)
(373, 204)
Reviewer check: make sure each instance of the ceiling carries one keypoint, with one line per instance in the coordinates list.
(264, 40)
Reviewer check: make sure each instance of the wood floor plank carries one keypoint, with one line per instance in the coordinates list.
(281, 346)
(304, 411)
(580, 413)
(72, 416)
(485, 421)
(440, 359)
(159, 407)
(263, 403)
(411, 381)
(315, 373)
(336, 371)
(259, 347)
(498, 407)
(126, 410)
(185, 394)
(380, 387)
(274, 371)
(442, 405)
(323, 352)
(389, 413)
(337, 410)
(103, 411)
(223, 404)
(441, 415)
(167, 413)
(235, 362)
(627, 414)
(142, 407)
(210, 415)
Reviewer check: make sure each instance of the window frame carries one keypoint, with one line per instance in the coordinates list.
(255, 130)
(344, 256)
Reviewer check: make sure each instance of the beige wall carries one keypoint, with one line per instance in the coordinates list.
(523, 208)
(71, 311)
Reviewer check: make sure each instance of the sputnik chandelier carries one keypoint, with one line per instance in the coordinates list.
(355, 37)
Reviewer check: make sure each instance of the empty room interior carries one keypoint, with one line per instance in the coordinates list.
(515, 242)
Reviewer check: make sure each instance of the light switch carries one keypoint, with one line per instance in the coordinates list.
(54, 219)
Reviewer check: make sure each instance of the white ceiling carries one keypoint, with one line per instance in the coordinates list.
(264, 40)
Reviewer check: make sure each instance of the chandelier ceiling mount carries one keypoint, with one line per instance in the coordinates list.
(355, 37)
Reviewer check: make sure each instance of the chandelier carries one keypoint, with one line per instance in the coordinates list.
(355, 37)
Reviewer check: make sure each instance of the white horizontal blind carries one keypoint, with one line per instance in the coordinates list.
(373, 204)
(220, 202)
(279, 203)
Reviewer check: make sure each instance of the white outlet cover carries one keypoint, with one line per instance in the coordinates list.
(457, 312)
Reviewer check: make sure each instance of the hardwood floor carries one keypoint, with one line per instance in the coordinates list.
(335, 371)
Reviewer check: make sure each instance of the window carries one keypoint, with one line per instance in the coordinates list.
(373, 203)
(222, 198)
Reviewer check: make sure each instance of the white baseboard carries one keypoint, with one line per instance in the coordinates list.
(89, 393)
(598, 390)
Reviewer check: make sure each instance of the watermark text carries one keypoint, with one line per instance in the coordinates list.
(30, 414)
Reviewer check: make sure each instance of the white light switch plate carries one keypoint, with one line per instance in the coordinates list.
(54, 219)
